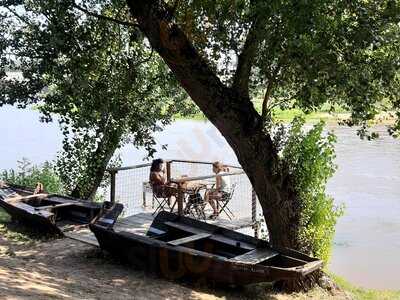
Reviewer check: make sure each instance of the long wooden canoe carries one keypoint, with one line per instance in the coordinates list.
(48, 213)
(180, 247)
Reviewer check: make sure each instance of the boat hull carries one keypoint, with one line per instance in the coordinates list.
(39, 222)
(45, 213)
(203, 259)
(171, 263)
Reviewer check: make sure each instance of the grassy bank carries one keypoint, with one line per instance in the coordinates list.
(288, 115)
(284, 116)
(365, 294)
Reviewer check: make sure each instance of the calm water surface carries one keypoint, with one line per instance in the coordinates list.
(367, 244)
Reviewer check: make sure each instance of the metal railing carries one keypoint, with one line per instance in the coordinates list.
(129, 186)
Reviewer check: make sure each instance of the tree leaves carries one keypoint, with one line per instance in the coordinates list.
(314, 52)
(106, 87)
(309, 157)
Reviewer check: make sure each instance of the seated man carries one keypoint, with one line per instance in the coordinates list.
(159, 182)
(222, 187)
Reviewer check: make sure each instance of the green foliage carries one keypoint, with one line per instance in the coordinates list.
(309, 156)
(4, 217)
(104, 83)
(28, 175)
(310, 53)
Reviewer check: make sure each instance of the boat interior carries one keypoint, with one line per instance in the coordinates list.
(67, 211)
(232, 246)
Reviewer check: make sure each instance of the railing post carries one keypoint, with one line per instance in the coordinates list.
(144, 188)
(169, 171)
(254, 212)
(112, 188)
(180, 199)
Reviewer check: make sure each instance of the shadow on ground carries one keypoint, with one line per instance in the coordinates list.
(65, 269)
(62, 269)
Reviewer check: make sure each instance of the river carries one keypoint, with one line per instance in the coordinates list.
(367, 242)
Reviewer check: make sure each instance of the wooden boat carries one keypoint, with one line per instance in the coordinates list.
(47, 213)
(180, 247)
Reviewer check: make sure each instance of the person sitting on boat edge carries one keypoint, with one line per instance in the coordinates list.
(222, 187)
(159, 181)
(39, 188)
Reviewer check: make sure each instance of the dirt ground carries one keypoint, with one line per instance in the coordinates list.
(66, 269)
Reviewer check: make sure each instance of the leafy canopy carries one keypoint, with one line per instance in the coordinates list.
(306, 53)
(103, 82)
(85, 69)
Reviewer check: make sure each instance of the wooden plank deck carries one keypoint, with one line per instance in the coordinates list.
(140, 223)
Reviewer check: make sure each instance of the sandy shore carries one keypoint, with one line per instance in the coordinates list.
(66, 269)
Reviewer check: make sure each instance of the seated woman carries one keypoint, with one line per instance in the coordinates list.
(222, 187)
(159, 182)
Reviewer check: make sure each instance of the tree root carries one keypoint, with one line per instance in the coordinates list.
(305, 284)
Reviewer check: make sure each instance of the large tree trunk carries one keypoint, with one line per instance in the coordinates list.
(97, 165)
(234, 116)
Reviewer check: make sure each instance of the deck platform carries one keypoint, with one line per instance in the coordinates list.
(140, 223)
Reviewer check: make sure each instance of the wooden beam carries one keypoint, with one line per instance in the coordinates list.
(202, 162)
(185, 179)
(215, 237)
(55, 206)
(129, 167)
(23, 198)
(189, 239)
(255, 256)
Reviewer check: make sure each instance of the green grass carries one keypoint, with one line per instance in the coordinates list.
(289, 115)
(365, 294)
(17, 232)
(196, 117)
(6, 231)
(282, 115)
(4, 217)
(285, 116)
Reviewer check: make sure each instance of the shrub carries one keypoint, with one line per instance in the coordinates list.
(309, 156)
(27, 174)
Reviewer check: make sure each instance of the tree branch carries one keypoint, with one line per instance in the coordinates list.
(246, 58)
(192, 70)
(172, 9)
(266, 99)
(271, 81)
(19, 17)
(103, 17)
(147, 59)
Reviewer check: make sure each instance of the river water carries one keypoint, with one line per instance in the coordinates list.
(366, 249)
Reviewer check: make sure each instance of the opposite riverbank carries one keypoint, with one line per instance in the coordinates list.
(62, 268)
(286, 116)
